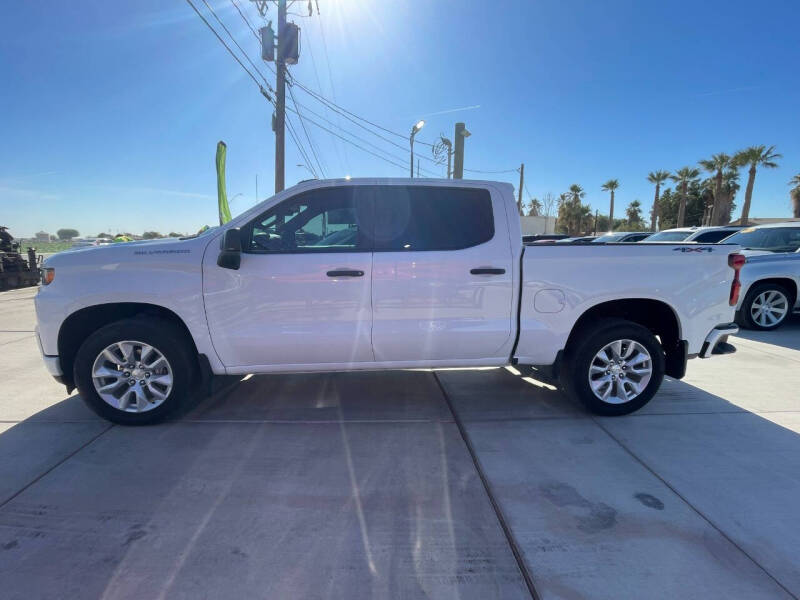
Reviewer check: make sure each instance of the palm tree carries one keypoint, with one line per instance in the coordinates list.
(575, 196)
(716, 165)
(610, 186)
(656, 177)
(634, 214)
(730, 185)
(755, 156)
(684, 177)
(534, 208)
(795, 194)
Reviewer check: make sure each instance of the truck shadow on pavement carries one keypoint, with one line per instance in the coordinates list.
(787, 336)
(347, 484)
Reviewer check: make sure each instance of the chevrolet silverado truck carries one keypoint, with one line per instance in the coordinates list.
(344, 275)
(770, 278)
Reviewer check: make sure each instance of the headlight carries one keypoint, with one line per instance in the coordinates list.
(48, 274)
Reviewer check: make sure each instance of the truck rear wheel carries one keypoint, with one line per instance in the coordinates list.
(135, 371)
(614, 367)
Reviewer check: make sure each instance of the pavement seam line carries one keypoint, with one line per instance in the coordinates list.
(756, 347)
(510, 539)
(55, 466)
(694, 508)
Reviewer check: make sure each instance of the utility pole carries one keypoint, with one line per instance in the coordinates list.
(417, 168)
(521, 184)
(280, 99)
(458, 159)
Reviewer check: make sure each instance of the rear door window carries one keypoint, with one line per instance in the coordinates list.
(712, 237)
(431, 218)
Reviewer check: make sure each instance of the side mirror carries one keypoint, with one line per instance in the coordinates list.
(230, 256)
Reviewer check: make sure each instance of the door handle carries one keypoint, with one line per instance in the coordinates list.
(487, 271)
(345, 273)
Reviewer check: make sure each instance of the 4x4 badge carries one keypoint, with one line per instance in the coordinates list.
(700, 249)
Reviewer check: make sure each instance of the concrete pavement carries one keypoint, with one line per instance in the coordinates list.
(454, 484)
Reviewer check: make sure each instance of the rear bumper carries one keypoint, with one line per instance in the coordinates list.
(717, 340)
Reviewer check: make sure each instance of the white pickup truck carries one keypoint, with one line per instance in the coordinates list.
(379, 274)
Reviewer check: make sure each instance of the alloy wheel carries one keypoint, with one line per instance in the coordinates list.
(132, 376)
(769, 308)
(620, 371)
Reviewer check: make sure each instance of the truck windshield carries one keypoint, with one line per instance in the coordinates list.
(669, 236)
(773, 239)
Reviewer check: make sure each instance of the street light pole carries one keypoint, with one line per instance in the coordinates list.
(417, 126)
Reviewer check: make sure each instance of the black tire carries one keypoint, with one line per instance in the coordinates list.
(582, 351)
(745, 318)
(163, 335)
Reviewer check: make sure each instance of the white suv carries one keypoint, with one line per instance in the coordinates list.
(700, 235)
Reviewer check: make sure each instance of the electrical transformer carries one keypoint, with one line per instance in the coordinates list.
(291, 45)
(267, 43)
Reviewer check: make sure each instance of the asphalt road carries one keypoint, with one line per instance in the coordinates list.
(448, 484)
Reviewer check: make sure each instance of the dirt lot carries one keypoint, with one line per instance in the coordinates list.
(448, 484)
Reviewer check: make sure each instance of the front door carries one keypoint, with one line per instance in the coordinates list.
(302, 293)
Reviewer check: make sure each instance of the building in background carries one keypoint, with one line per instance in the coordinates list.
(537, 225)
(764, 221)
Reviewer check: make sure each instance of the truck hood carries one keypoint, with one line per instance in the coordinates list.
(124, 250)
(756, 252)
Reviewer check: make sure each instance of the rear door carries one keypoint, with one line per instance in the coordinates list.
(442, 275)
(302, 293)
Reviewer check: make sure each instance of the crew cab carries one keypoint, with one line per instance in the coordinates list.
(343, 275)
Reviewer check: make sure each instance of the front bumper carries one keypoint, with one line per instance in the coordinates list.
(717, 341)
(51, 363)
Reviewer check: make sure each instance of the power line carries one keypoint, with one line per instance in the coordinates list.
(246, 20)
(233, 39)
(221, 41)
(493, 172)
(320, 88)
(305, 130)
(351, 134)
(346, 112)
(383, 158)
(318, 96)
(330, 75)
(352, 120)
(246, 70)
(300, 148)
(338, 126)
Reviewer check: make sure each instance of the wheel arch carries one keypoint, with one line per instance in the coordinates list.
(657, 316)
(787, 282)
(82, 323)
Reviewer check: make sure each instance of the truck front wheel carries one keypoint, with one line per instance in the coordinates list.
(135, 371)
(614, 367)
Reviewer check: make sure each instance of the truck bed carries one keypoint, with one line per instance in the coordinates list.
(560, 282)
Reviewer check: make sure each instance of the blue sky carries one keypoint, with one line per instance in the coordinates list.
(111, 111)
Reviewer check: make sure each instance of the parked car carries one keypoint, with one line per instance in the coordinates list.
(617, 237)
(427, 274)
(543, 237)
(88, 243)
(770, 278)
(577, 240)
(701, 235)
